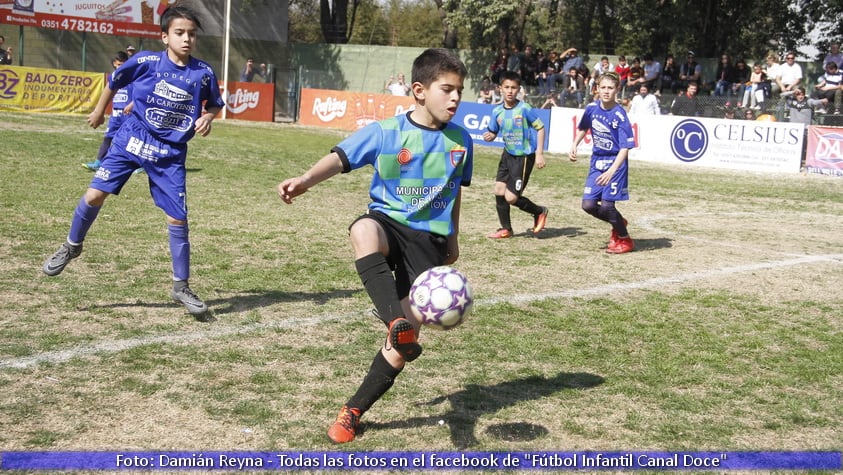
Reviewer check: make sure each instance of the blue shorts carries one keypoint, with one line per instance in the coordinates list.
(134, 147)
(615, 190)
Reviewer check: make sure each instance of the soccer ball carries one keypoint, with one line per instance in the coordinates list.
(441, 297)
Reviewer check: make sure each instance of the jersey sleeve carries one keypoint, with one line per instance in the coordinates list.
(494, 127)
(362, 147)
(533, 118)
(626, 138)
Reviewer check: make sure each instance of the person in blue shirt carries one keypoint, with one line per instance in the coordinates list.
(515, 121)
(121, 105)
(608, 174)
(174, 97)
(421, 161)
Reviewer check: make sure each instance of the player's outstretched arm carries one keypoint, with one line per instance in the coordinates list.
(96, 117)
(325, 168)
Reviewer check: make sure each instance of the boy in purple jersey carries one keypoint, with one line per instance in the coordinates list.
(515, 121)
(175, 96)
(421, 161)
(121, 105)
(608, 175)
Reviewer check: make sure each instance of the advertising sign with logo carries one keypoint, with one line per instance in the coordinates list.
(111, 17)
(475, 118)
(249, 101)
(349, 110)
(698, 141)
(49, 90)
(825, 150)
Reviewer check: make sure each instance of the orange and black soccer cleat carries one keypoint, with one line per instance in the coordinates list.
(345, 428)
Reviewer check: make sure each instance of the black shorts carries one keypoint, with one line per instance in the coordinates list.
(411, 252)
(515, 171)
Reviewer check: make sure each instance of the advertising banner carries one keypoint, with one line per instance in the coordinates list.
(49, 90)
(250, 101)
(825, 150)
(349, 110)
(697, 141)
(475, 118)
(138, 18)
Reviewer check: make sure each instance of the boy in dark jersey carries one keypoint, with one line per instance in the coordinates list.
(608, 175)
(174, 97)
(420, 162)
(514, 120)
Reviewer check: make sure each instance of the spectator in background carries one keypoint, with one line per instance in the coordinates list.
(801, 109)
(399, 86)
(622, 68)
(573, 88)
(724, 77)
(830, 86)
(547, 74)
(250, 70)
(749, 114)
(690, 71)
(728, 111)
(652, 73)
(754, 94)
(600, 67)
(570, 58)
(773, 71)
(790, 74)
(130, 50)
(834, 55)
(670, 75)
(741, 78)
(5, 53)
(686, 103)
(486, 91)
(529, 69)
(498, 66)
(644, 103)
(636, 76)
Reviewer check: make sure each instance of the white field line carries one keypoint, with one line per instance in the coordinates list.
(217, 331)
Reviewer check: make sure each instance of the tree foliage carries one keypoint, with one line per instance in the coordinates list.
(747, 28)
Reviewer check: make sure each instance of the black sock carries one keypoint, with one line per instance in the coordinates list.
(524, 204)
(503, 212)
(377, 382)
(379, 283)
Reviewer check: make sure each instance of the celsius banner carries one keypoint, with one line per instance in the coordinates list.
(117, 17)
(698, 141)
(49, 90)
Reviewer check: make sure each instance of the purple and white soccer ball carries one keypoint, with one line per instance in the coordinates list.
(441, 297)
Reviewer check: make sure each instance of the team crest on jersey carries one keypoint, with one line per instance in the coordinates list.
(404, 156)
(518, 121)
(457, 156)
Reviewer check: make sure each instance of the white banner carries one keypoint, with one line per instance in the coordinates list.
(697, 141)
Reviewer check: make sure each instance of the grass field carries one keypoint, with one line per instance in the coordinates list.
(721, 332)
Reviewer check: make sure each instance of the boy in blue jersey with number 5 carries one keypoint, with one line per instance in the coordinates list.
(174, 97)
(515, 121)
(608, 174)
(420, 162)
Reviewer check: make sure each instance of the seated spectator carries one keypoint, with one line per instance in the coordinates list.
(644, 103)
(755, 93)
(652, 73)
(573, 88)
(670, 75)
(724, 77)
(550, 102)
(830, 86)
(690, 72)
(749, 114)
(485, 93)
(636, 75)
(741, 78)
(790, 74)
(622, 68)
(773, 71)
(686, 104)
(834, 55)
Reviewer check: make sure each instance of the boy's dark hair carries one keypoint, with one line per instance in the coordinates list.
(512, 76)
(178, 10)
(434, 62)
(121, 56)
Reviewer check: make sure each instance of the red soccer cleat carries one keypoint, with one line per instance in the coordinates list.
(345, 427)
(501, 233)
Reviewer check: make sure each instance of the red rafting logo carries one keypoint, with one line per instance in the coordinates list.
(404, 156)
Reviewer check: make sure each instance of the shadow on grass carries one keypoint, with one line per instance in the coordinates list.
(652, 244)
(550, 233)
(242, 302)
(469, 404)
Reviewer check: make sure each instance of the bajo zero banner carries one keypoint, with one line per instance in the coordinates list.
(49, 90)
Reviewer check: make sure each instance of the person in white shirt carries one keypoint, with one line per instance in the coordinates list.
(644, 103)
(398, 87)
(773, 71)
(790, 74)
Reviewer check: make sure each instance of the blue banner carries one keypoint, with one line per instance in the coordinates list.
(359, 461)
(474, 117)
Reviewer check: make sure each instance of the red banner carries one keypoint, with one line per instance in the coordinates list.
(825, 150)
(138, 18)
(349, 110)
(250, 101)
